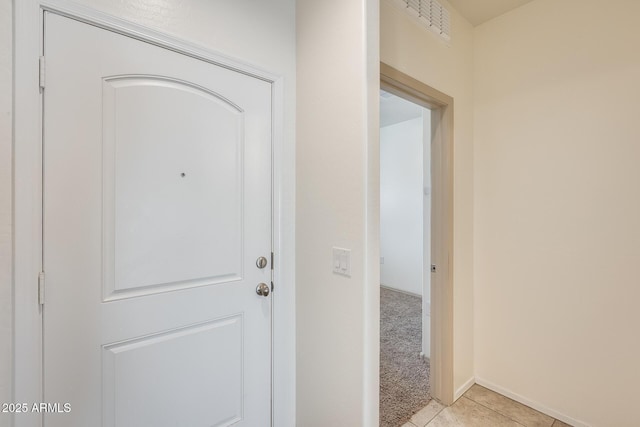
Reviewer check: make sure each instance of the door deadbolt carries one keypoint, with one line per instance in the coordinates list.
(262, 289)
(261, 262)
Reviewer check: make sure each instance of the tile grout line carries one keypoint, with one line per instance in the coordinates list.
(437, 413)
(493, 410)
(514, 401)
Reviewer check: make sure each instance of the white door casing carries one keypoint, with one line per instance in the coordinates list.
(157, 203)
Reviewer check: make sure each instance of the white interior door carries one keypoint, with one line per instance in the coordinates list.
(157, 204)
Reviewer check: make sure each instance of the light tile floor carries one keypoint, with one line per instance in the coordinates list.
(481, 407)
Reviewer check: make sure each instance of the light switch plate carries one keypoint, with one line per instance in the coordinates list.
(342, 261)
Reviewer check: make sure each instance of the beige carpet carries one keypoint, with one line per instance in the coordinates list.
(404, 375)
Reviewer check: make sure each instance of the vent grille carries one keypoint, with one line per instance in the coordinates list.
(429, 13)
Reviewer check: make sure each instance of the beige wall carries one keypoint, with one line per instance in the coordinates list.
(557, 207)
(332, 199)
(416, 51)
(5, 205)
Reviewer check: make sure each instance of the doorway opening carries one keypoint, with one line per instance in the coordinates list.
(416, 235)
(405, 257)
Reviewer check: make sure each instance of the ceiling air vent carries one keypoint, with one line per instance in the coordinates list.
(431, 14)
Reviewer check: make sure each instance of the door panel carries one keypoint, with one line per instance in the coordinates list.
(169, 221)
(159, 371)
(157, 203)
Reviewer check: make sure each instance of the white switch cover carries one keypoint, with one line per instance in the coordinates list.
(342, 261)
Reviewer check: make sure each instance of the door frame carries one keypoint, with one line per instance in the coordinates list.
(441, 106)
(27, 374)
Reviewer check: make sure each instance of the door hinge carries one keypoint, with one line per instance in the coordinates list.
(41, 71)
(41, 288)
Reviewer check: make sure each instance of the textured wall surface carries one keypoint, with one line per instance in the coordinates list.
(331, 210)
(557, 250)
(401, 200)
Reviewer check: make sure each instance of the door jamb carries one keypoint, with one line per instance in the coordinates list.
(27, 374)
(441, 105)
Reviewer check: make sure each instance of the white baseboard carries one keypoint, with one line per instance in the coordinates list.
(391, 288)
(463, 388)
(532, 404)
